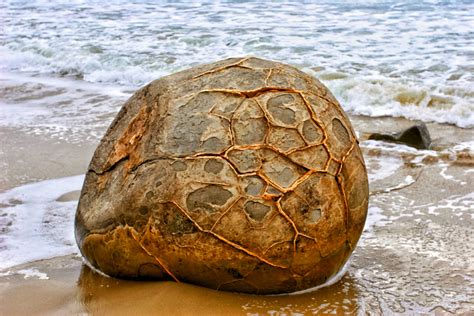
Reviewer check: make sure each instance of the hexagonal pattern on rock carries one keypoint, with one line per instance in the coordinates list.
(241, 175)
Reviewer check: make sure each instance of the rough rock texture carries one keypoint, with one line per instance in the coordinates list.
(242, 175)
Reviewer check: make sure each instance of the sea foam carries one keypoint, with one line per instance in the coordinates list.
(379, 58)
(36, 225)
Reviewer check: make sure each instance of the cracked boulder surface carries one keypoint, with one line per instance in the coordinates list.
(242, 175)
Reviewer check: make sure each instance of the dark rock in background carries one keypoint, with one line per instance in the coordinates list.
(416, 136)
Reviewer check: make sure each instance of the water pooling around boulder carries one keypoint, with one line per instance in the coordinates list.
(242, 175)
(429, 215)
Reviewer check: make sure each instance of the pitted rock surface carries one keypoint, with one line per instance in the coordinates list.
(242, 175)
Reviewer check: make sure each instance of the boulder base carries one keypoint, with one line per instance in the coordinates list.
(242, 175)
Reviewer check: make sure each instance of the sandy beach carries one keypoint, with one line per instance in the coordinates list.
(414, 255)
(66, 68)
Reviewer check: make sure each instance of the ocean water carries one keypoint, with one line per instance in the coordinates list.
(413, 59)
(35, 223)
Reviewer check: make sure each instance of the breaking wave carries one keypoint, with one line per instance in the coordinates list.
(379, 58)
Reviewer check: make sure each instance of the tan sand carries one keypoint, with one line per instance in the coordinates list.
(26, 158)
(73, 288)
(414, 257)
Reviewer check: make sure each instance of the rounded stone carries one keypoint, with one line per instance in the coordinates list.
(242, 175)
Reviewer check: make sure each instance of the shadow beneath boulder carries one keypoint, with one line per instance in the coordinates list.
(103, 295)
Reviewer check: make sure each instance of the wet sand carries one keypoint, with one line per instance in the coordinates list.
(26, 158)
(73, 288)
(415, 255)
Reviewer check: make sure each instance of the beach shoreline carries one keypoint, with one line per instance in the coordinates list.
(391, 269)
(68, 67)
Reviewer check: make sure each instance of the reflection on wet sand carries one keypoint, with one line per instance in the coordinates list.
(103, 295)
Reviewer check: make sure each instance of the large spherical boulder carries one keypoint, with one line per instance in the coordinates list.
(242, 175)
